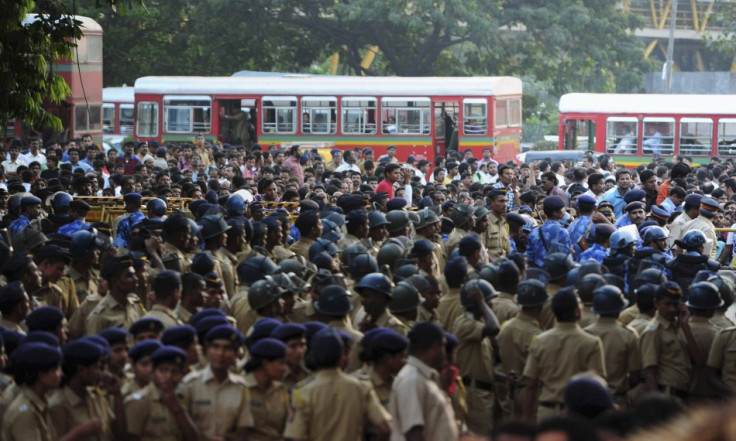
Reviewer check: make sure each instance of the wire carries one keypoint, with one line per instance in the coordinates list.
(79, 70)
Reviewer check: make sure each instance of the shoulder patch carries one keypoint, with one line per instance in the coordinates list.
(136, 396)
(23, 408)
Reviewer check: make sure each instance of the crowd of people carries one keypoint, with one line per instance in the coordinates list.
(349, 297)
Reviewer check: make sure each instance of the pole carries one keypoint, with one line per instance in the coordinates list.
(671, 47)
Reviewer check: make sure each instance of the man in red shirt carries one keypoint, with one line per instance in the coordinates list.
(393, 174)
(292, 164)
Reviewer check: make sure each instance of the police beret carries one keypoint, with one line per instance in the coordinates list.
(565, 300)
(212, 280)
(390, 341)
(367, 150)
(288, 331)
(451, 342)
(268, 348)
(358, 217)
(308, 205)
(99, 341)
(45, 318)
(203, 263)
(78, 206)
(396, 204)
(146, 324)
(132, 197)
(261, 329)
(11, 340)
(27, 201)
(51, 250)
(553, 203)
(194, 205)
(82, 351)
(312, 328)
(587, 392)
(42, 337)
(660, 213)
(139, 259)
(324, 345)
(636, 205)
(693, 199)
(114, 336)
(515, 219)
(421, 247)
(169, 354)
(366, 342)
(258, 228)
(204, 325)
(115, 264)
(710, 204)
(11, 295)
(12, 267)
(586, 199)
(525, 209)
(37, 355)
(225, 332)
(181, 336)
(497, 192)
(204, 313)
(166, 278)
(346, 338)
(271, 221)
(143, 349)
(634, 195)
(350, 202)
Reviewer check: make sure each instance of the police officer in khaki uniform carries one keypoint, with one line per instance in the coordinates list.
(558, 354)
(376, 291)
(268, 396)
(215, 397)
(176, 233)
(450, 307)
(645, 305)
(667, 345)
(474, 354)
(14, 306)
(167, 289)
(721, 365)
(156, 413)
(214, 233)
(463, 216)
(119, 307)
(620, 343)
(702, 300)
(52, 262)
(496, 238)
(428, 228)
(310, 227)
(83, 272)
(294, 336)
(341, 413)
(505, 306)
(333, 307)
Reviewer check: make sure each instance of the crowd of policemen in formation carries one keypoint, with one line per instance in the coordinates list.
(360, 297)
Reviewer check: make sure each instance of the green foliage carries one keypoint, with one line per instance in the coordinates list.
(545, 145)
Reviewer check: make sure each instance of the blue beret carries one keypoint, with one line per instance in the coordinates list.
(586, 199)
(169, 354)
(143, 349)
(14, 264)
(225, 332)
(422, 247)
(470, 242)
(212, 280)
(367, 341)
(27, 201)
(359, 217)
(211, 197)
(116, 264)
(271, 222)
(114, 335)
(325, 345)
(268, 348)
(132, 197)
(42, 337)
(146, 324)
(313, 328)
(634, 195)
(37, 355)
(99, 341)
(693, 199)
(425, 202)
(553, 203)
(525, 209)
(288, 331)
(396, 204)
(384, 159)
(636, 205)
(181, 336)
(586, 392)
(660, 212)
(390, 341)
(54, 251)
(166, 278)
(451, 342)
(262, 329)
(83, 351)
(516, 219)
(45, 318)
(139, 259)
(12, 340)
(204, 325)
(11, 294)
(207, 312)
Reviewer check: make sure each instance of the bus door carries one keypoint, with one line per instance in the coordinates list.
(237, 120)
(579, 134)
(445, 126)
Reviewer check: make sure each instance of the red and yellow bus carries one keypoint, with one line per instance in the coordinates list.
(81, 111)
(634, 128)
(118, 116)
(421, 116)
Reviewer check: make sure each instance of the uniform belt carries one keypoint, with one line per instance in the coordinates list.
(483, 385)
(675, 392)
(551, 404)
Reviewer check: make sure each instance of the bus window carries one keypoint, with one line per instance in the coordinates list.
(359, 115)
(406, 116)
(279, 114)
(514, 112)
(95, 117)
(187, 114)
(622, 134)
(475, 116)
(501, 114)
(108, 118)
(147, 119)
(579, 134)
(696, 136)
(727, 136)
(126, 119)
(319, 115)
(659, 136)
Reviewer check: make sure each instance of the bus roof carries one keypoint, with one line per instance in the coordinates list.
(125, 94)
(617, 103)
(301, 84)
(88, 24)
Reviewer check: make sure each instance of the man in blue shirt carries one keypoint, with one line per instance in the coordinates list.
(30, 208)
(550, 237)
(133, 216)
(75, 163)
(616, 195)
(507, 180)
(599, 250)
(582, 229)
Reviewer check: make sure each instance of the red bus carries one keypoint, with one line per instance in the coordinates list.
(118, 116)
(81, 111)
(634, 128)
(316, 111)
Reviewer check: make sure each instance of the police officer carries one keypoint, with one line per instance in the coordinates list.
(496, 236)
(645, 304)
(685, 266)
(654, 252)
(599, 250)
(379, 231)
(30, 209)
(14, 306)
(269, 397)
(428, 228)
(702, 301)
(690, 211)
(375, 291)
(141, 366)
(294, 336)
(60, 215)
(582, 228)
(85, 248)
(126, 222)
(264, 299)
(586, 287)
(176, 234)
(471, 248)
(52, 262)
(214, 233)
(620, 343)
(404, 304)
(310, 228)
(167, 289)
(120, 307)
(454, 276)
(333, 307)
(550, 237)
(77, 212)
(463, 217)
(623, 246)
(704, 223)
(504, 305)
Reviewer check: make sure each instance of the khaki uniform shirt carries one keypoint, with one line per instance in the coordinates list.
(640, 323)
(304, 311)
(295, 376)
(129, 387)
(228, 271)
(346, 326)
(449, 308)
(183, 314)
(704, 333)
(64, 299)
(12, 326)
(722, 355)
(174, 258)
(474, 354)
(382, 388)
(166, 315)
(587, 316)
(425, 315)
(240, 309)
(438, 255)
(84, 284)
(301, 247)
(663, 345)
(558, 354)
(217, 409)
(28, 419)
(148, 418)
(629, 314)
(514, 340)
(418, 400)
(505, 307)
(704, 224)
(332, 405)
(388, 320)
(677, 229)
(496, 238)
(269, 409)
(621, 351)
(77, 324)
(721, 321)
(453, 240)
(68, 411)
(109, 313)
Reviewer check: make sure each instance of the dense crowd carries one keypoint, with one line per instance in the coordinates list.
(264, 293)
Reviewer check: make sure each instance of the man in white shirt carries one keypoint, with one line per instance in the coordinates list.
(11, 165)
(348, 163)
(34, 154)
